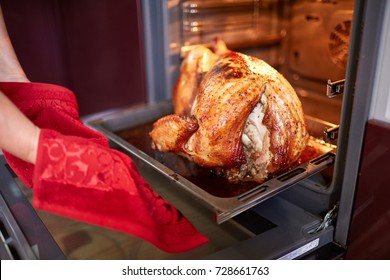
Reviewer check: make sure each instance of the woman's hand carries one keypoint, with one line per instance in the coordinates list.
(18, 135)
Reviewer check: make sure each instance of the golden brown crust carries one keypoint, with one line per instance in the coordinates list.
(214, 134)
(286, 124)
(227, 95)
(194, 66)
(171, 132)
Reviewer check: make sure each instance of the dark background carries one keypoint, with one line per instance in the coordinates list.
(93, 47)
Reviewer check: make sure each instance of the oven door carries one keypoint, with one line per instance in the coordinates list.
(274, 229)
(23, 234)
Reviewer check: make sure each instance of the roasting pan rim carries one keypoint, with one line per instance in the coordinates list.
(225, 208)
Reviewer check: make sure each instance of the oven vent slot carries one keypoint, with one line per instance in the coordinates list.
(322, 159)
(291, 174)
(253, 193)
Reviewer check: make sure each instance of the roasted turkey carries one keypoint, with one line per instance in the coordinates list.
(245, 121)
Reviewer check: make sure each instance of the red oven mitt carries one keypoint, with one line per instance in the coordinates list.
(79, 176)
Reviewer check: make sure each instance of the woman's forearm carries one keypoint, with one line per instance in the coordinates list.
(10, 68)
(18, 135)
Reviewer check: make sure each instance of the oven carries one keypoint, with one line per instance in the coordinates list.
(329, 206)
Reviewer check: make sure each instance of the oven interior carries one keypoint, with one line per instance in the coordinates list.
(306, 41)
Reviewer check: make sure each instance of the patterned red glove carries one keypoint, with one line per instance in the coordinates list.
(47, 106)
(79, 176)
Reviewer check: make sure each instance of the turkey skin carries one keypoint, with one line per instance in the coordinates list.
(246, 121)
(192, 70)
